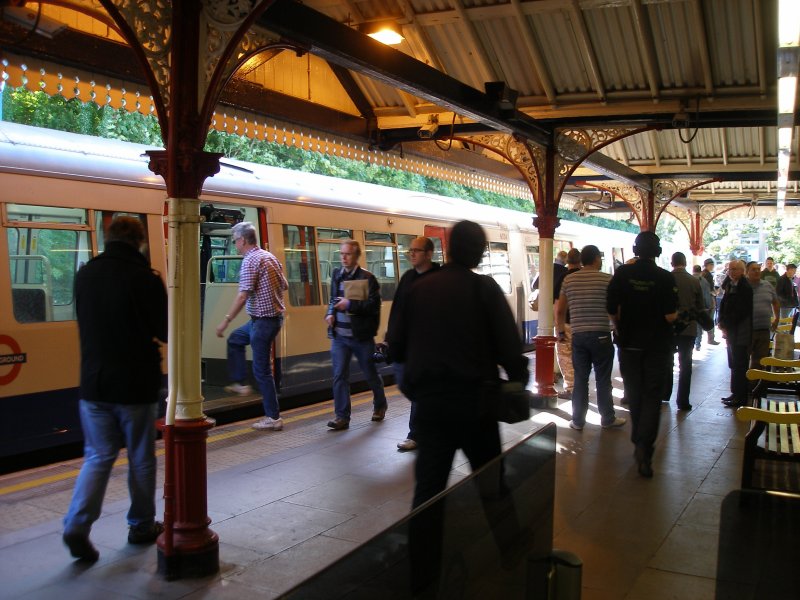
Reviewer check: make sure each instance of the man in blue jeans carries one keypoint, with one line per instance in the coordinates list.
(122, 316)
(261, 287)
(584, 293)
(353, 316)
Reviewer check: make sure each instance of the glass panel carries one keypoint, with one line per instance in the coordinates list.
(372, 236)
(334, 234)
(329, 259)
(403, 244)
(532, 260)
(224, 269)
(381, 261)
(438, 252)
(43, 263)
(495, 263)
(488, 536)
(301, 265)
(46, 214)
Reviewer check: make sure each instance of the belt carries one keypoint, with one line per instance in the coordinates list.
(259, 318)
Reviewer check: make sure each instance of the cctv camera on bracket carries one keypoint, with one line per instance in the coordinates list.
(429, 130)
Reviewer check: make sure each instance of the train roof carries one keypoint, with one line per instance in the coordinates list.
(51, 153)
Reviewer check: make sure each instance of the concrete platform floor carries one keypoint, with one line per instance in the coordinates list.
(285, 504)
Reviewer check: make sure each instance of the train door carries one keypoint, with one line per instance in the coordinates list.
(440, 236)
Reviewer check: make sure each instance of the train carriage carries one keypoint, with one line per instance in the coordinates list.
(59, 191)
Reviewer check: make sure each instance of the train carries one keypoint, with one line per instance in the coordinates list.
(60, 190)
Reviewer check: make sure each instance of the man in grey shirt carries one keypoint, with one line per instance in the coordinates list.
(766, 312)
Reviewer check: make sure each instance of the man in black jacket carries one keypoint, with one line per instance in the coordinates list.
(421, 258)
(787, 294)
(122, 317)
(736, 324)
(353, 315)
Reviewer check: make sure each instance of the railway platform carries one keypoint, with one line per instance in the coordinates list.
(285, 504)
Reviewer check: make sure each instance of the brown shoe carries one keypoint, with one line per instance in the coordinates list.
(378, 414)
(338, 424)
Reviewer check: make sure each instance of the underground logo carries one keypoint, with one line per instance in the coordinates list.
(15, 359)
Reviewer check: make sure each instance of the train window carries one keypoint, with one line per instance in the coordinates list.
(224, 269)
(495, 263)
(334, 234)
(381, 261)
(403, 244)
(299, 252)
(47, 245)
(532, 260)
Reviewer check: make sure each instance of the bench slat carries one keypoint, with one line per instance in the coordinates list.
(795, 430)
(783, 431)
(771, 437)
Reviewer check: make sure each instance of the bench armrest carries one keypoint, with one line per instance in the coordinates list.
(771, 361)
(753, 374)
(748, 413)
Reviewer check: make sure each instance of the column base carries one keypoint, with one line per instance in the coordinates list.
(545, 359)
(194, 564)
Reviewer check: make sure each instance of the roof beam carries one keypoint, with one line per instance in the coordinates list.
(588, 50)
(344, 46)
(698, 22)
(535, 53)
(348, 82)
(643, 32)
(475, 41)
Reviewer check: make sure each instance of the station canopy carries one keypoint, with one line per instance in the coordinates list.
(699, 76)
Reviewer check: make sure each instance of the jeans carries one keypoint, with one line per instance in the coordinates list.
(399, 369)
(343, 348)
(564, 358)
(107, 428)
(643, 379)
(592, 349)
(259, 334)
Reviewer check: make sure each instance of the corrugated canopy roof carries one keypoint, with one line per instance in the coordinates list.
(704, 72)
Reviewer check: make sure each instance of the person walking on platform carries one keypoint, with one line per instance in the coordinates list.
(708, 302)
(708, 275)
(770, 273)
(736, 322)
(121, 307)
(455, 328)
(261, 287)
(787, 292)
(642, 302)
(564, 342)
(353, 316)
(690, 302)
(420, 255)
(766, 314)
(583, 294)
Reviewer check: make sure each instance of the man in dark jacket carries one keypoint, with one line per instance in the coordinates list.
(122, 317)
(455, 328)
(642, 302)
(787, 293)
(736, 324)
(421, 258)
(353, 315)
(708, 275)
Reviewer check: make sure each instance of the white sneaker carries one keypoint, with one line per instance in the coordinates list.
(268, 423)
(407, 445)
(237, 388)
(575, 426)
(617, 422)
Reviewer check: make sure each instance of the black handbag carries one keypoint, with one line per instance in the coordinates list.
(508, 401)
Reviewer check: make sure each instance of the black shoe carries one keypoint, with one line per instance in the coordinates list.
(685, 407)
(145, 534)
(338, 424)
(378, 414)
(645, 469)
(80, 547)
(726, 399)
(731, 403)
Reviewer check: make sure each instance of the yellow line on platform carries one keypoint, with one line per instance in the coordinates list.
(27, 485)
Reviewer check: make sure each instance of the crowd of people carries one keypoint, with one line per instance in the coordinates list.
(649, 313)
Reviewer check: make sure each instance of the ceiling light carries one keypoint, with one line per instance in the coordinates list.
(787, 87)
(386, 32)
(788, 23)
(784, 138)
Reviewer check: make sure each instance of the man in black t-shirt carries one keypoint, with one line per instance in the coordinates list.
(642, 301)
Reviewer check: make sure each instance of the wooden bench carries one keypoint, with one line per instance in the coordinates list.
(778, 421)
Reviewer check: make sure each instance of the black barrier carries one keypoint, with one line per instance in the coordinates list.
(488, 536)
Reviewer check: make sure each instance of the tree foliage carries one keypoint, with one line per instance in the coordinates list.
(37, 108)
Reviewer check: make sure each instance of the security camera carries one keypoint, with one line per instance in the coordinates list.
(429, 130)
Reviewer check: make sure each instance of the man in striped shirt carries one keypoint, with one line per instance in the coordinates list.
(584, 293)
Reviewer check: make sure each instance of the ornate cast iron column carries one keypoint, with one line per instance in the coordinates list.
(547, 170)
(696, 221)
(188, 49)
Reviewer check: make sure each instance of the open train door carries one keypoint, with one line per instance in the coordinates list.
(440, 236)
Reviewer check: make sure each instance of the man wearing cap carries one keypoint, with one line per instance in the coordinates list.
(642, 302)
(708, 275)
